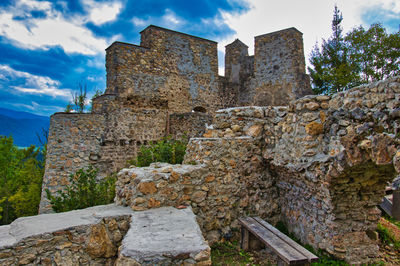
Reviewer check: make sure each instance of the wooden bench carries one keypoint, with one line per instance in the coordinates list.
(288, 250)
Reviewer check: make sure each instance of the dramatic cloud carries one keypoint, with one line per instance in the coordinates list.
(23, 82)
(51, 29)
(100, 13)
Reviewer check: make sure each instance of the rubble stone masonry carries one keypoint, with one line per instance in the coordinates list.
(320, 164)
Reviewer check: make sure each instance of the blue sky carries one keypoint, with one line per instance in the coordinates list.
(49, 47)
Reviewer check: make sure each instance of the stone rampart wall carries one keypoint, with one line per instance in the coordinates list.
(74, 142)
(106, 140)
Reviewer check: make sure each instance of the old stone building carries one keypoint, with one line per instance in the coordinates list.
(169, 85)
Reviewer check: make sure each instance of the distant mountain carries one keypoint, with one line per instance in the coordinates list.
(22, 126)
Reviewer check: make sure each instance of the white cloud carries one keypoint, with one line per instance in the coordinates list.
(100, 13)
(169, 20)
(138, 22)
(33, 84)
(312, 17)
(37, 108)
(49, 31)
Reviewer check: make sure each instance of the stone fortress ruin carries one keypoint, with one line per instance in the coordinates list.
(318, 163)
(169, 85)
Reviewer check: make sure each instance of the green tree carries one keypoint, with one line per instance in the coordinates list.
(376, 53)
(79, 98)
(84, 191)
(332, 70)
(20, 180)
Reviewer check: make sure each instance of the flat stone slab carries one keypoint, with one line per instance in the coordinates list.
(47, 223)
(165, 235)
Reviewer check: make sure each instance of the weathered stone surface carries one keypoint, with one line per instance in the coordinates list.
(100, 244)
(69, 238)
(314, 128)
(164, 236)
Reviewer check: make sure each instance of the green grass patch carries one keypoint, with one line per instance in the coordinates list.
(229, 253)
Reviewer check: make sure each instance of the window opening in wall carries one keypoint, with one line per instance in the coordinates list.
(199, 109)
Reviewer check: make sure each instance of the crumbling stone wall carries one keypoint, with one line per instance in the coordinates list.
(320, 164)
(106, 138)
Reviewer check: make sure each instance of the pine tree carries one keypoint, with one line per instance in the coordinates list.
(332, 71)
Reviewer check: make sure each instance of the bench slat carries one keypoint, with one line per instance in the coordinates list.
(286, 252)
(310, 256)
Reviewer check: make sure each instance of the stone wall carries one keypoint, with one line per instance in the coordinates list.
(275, 74)
(176, 67)
(106, 138)
(83, 237)
(320, 165)
(73, 142)
(191, 124)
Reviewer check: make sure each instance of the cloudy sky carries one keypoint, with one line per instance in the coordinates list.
(48, 47)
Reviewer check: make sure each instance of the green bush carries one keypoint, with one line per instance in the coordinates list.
(166, 150)
(84, 191)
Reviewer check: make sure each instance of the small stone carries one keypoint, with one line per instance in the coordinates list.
(26, 259)
(174, 177)
(199, 196)
(312, 106)
(166, 169)
(254, 131)
(344, 123)
(209, 179)
(153, 203)
(138, 208)
(147, 188)
(323, 98)
(236, 128)
(202, 255)
(314, 128)
(139, 200)
(308, 117)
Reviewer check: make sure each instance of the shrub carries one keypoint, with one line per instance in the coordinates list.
(166, 150)
(84, 191)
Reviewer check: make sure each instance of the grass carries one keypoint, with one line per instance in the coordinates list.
(229, 253)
